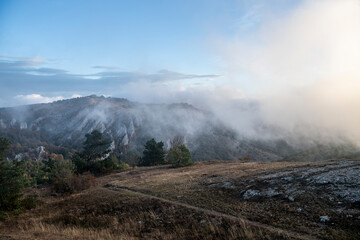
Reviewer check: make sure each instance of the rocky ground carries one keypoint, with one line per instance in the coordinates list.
(320, 199)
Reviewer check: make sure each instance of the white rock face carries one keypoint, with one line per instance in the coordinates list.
(23, 125)
(2, 124)
(251, 193)
(324, 219)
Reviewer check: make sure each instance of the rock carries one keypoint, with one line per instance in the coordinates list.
(251, 193)
(291, 199)
(271, 192)
(228, 185)
(324, 219)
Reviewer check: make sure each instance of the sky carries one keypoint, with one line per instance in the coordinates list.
(295, 63)
(59, 49)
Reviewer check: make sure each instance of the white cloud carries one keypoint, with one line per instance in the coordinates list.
(37, 98)
(76, 96)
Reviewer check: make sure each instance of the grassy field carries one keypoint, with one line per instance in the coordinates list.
(210, 200)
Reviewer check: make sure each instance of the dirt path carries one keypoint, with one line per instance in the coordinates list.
(269, 228)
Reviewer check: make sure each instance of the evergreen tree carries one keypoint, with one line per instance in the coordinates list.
(11, 180)
(95, 146)
(4, 145)
(153, 154)
(94, 157)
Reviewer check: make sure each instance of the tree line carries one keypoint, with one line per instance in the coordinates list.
(77, 173)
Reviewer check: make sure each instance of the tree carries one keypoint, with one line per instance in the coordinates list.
(95, 146)
(153, 154)
(177, 141)
(4, 145)
(11, 180)
(95, 151)
(180, 156)
(95, 156)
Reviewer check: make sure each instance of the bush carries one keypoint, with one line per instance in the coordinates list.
(81, 165)
(74, 183)
(36, 172)
(180, 156)
(103, 166)
(123, 166)
(82, 182)
(61, 174)
(29, 202)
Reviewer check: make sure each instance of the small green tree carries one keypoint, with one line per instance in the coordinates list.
(153, 154)
(61, 175)
(180, 156)
(11, 180)
(81, 165)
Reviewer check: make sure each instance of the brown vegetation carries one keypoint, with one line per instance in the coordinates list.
(198, 202)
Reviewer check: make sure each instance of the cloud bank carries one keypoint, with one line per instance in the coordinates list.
(305, 69)
(296, 77)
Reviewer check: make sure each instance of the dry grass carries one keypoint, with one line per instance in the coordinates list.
(104, 214)
(101, 213)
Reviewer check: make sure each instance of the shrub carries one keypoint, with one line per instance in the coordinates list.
(103, 166)
(29, 202)
(36, 172)
(81, 165)
(74, 183)
(82, 182)
(180, 156)
(61, 174)
(123, 166)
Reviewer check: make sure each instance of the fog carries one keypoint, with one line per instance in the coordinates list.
(296, 77)
(302, 77)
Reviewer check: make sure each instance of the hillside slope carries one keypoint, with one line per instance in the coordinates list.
(60, 127)
(210, 200)
(63, 124)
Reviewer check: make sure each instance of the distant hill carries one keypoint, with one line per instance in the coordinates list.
(322, 152)
(60, 127)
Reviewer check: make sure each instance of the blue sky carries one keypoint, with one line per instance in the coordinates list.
(63, 48)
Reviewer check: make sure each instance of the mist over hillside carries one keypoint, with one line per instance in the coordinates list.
(61, 126)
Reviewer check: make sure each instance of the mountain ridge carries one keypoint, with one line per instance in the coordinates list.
(60, 126)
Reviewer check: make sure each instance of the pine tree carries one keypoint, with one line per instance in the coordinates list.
(11, 180)
(153, 154)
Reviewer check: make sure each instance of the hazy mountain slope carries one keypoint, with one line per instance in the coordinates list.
(321, 152)
(129, 125)
(61, 126)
